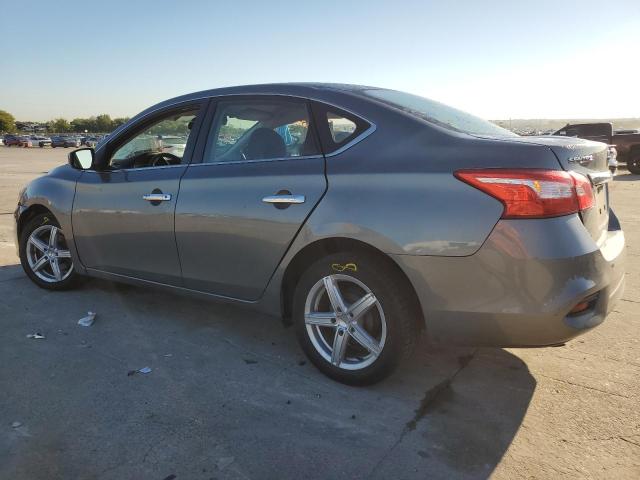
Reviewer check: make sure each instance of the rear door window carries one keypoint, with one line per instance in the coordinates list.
(249, 129)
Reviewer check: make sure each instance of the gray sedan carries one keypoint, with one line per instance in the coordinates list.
(362, 216)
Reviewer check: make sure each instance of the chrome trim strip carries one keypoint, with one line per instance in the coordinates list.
(356, 140)
(362, 136)
(234, 162)
(183, 165)
(598, 178)
(289, 199)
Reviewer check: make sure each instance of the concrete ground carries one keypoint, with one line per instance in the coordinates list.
(231, 396)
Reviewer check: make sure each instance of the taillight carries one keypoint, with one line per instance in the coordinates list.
(531, 193)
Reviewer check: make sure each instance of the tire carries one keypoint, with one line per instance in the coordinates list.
(633, 165)
(389, 321)
(32, 253)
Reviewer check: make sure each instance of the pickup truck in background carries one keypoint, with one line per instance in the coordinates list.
(627, 145)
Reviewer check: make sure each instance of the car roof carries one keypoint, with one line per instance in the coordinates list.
(302, 89)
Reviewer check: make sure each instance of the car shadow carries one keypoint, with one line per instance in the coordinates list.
(449, 412)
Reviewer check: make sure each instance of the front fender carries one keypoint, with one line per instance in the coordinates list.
(54, 192)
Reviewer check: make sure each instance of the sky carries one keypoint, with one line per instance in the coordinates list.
(496, 59)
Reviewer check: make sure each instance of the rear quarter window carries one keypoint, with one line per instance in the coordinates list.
(337, 128)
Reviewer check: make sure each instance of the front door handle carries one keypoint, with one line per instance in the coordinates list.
(284, 199)
(157, 197)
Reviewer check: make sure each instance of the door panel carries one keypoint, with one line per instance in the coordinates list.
(117, 231)
(230, 241)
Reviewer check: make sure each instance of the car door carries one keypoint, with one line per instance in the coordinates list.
(239, 209)
(123, 216)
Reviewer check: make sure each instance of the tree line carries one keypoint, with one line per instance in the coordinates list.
(98, 124)
(95, 124)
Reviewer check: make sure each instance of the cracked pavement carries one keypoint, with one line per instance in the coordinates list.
(229, 396)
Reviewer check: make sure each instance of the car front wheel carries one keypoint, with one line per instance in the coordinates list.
(353, 317)
(45, 254)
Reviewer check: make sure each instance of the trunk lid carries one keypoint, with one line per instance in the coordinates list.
(588, 158)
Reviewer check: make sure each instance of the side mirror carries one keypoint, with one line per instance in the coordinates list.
(82, 158)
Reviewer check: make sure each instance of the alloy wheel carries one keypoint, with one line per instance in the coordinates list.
(48, 254)
(345, 322)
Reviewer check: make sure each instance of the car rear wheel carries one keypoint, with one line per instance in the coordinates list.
(45, 254)
(353, 318)
(634, 163)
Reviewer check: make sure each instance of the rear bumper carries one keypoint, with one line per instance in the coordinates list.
(519, 288)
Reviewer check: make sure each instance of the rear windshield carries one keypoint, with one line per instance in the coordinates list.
(438, 113)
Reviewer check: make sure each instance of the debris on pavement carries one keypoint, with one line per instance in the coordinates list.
(36, 335)
(16, 424)
(88, 320)
(250, 361)
(170, 477)
(302, 363)
(143, 370)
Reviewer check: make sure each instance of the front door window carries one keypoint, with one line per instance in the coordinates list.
(160, 144)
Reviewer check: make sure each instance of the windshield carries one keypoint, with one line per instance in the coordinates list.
(438, 113)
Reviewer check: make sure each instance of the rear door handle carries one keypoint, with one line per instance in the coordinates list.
(157, 197)
(284, 199)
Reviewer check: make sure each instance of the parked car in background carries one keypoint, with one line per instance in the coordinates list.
(92, 141)
(17, 141)
(40, 141)
(65, 142)
(388, 215)
(627, 144)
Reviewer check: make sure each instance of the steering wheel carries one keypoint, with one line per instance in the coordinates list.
(164, 159)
